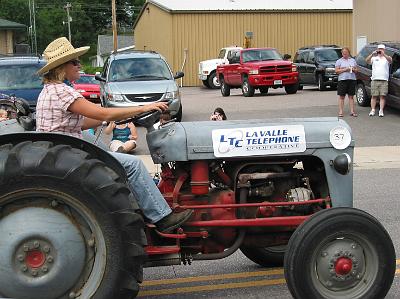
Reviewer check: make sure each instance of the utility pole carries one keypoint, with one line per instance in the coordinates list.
(32, 27)
(69, 19)
(114, 25)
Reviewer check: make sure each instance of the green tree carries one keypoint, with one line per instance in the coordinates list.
(89, 18)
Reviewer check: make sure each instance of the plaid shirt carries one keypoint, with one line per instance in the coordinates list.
(52, 113)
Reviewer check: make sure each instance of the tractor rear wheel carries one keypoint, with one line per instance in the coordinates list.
(267, 256)
(340, 253)
(71, 223)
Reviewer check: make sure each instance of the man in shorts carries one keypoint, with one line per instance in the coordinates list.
(379, 79)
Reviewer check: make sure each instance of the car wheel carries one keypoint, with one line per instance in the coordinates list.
(247, 89)
(264, 90)
(225, 88)
(340, 253)
(205, 83)
(213, 82)
(361, 95)
(321, 85)
(291, 89)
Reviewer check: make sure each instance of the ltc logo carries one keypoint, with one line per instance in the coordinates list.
(230, 141)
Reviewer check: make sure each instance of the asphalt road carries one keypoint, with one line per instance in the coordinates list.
(376, 190)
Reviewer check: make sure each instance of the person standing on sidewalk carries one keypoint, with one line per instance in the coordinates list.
(379, 79)
(346, 67)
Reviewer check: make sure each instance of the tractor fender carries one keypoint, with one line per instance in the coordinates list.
(94, 151)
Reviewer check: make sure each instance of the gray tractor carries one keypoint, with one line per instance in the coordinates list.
(280, 191)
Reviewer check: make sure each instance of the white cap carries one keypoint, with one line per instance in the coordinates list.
(381, 46)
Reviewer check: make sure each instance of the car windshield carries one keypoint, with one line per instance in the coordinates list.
(261, 55)
(328, 54)
(139, 69)
(87, 80)
(20, 77)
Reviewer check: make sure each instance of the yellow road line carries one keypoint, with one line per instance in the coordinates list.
(278, 271)
(233, 285)
(212, 287)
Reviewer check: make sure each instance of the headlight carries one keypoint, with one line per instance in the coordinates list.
(253, 72)
(116, 97)
(294, 68)
(171, 95)
(80, 90)
(342, 164)
(330, 70)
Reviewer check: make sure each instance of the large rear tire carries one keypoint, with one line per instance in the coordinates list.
(71, 223)
(340, 253)
(266, 257)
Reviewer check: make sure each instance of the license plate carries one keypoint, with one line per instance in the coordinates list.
(93, 96)
(277, 82)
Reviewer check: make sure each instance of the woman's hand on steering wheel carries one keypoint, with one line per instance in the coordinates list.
(159, 106)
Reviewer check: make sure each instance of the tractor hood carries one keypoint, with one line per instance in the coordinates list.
(253, 138)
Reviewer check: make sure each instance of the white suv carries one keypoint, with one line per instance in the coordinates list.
(139, 77)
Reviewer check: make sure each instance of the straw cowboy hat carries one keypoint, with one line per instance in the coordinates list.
(58, 52)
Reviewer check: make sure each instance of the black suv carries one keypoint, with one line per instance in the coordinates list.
(316, 65)
(363, 90)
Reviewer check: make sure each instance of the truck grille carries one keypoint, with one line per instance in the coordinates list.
(146, 97)
(276, 69)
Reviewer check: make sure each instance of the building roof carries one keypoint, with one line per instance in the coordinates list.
(243, 5)
(105, 43)
(5, 24)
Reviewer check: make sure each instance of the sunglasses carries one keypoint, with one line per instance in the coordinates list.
(75, 62)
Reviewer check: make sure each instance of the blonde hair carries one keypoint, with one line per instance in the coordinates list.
(56, 75)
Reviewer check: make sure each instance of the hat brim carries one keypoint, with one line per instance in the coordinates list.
(63, 59)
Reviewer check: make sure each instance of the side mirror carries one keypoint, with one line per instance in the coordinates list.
(100, 78)
(179, 75)
(287, 57)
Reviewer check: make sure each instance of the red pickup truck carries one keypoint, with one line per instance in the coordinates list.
(257, 68)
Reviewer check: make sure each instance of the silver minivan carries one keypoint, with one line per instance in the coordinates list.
(139, 77)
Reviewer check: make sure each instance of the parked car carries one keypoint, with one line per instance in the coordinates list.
(89, 87)
(316, 65)
(208, 68)
(19, 77)
(136, 78)
(363, 89)
(257, 68)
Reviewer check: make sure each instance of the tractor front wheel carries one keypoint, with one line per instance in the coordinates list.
(340, 253)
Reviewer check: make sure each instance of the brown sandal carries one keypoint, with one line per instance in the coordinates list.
(353, 114)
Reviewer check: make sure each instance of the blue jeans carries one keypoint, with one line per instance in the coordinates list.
(144, 189)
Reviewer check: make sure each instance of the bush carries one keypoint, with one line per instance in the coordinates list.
(88, 69)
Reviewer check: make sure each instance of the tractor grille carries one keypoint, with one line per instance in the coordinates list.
(276, 69)
(145, 97)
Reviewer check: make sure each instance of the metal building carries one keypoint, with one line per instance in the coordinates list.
(196, 30)
(375, 20)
